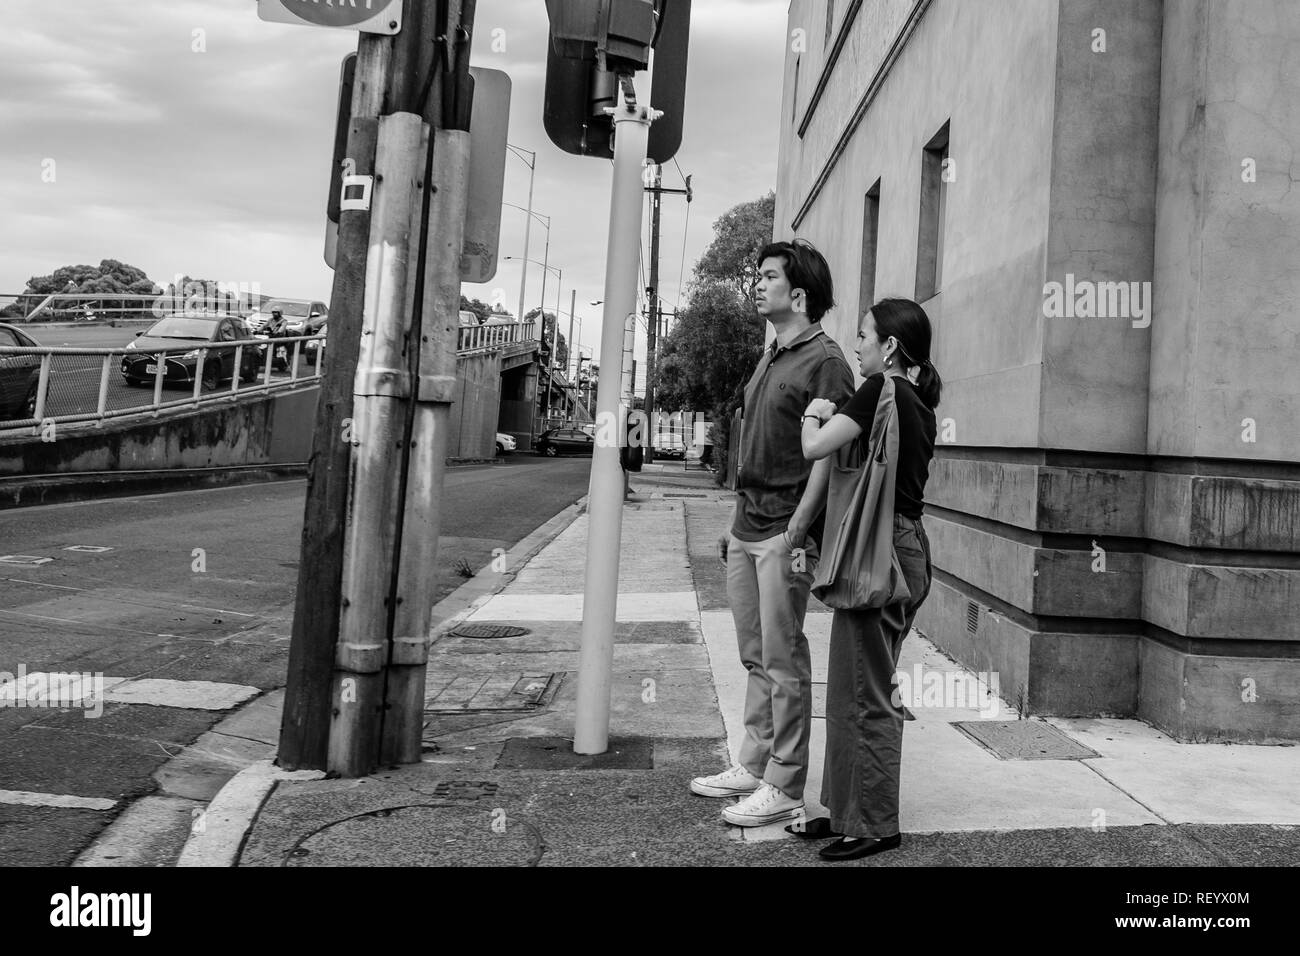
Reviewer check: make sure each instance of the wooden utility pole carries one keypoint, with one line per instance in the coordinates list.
(360, 637)
(652, 327)
(304, 729)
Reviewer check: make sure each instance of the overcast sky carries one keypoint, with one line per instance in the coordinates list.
(215, 161)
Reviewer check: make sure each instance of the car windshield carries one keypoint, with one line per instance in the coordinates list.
(289, 309)
(182, 327)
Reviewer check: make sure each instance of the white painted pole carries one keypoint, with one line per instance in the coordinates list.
(605, 495)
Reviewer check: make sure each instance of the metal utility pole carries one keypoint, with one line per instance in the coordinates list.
(605, 496)
(568, 343)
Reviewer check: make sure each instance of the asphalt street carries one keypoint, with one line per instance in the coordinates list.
(197, 586)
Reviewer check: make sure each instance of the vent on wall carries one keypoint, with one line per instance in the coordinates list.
(972, 616)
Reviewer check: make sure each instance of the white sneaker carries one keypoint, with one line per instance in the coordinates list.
(765, 805)
(730, 783)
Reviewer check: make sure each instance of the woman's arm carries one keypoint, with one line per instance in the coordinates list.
(820, 440)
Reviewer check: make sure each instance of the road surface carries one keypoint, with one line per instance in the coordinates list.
(198, 586)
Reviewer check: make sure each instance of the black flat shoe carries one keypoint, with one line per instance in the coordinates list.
(850, 848)
(816, 829)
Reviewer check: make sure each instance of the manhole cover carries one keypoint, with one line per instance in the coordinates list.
(556, 753)
(25, 559)
(489, 630)
(423, 835)
(87, 548)
(1024, 740)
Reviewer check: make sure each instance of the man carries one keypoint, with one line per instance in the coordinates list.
(771, 550)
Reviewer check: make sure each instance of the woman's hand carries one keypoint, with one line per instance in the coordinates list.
(823, 408)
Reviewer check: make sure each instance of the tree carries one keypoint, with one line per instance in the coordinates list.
(110, 277)
(711, 351)
(739, 235)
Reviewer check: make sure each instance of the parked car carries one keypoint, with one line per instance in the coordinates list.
(505, 443)
(139, 365)
(668, 445)
(567, 440)
(301, 317)
(19, 375)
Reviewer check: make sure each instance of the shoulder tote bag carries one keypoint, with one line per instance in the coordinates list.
(859, 569)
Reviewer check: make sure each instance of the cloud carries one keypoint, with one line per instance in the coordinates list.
(190, 136)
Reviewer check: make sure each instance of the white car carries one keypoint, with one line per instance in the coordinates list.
(505, 443)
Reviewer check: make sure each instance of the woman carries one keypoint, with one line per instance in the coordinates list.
(864, 722)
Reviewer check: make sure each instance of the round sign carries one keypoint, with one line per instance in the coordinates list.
(343, 13)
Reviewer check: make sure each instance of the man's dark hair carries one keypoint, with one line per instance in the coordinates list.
(806, 269)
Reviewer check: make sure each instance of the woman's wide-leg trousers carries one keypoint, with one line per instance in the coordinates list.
(864, 718)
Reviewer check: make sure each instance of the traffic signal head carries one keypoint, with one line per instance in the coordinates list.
(591, 44)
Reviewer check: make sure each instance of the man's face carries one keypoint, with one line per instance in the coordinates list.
(773, 295)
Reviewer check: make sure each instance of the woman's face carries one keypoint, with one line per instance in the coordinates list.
(871, 351)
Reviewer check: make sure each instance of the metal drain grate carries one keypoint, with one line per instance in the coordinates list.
(24, 559)
(465, 789)
(486, 631)
(1024, 740)
(972, 616)
(682, 495)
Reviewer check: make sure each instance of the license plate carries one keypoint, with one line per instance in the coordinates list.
(151, 369)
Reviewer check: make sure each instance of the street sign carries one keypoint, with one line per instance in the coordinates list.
(488, 128)
(365, 16)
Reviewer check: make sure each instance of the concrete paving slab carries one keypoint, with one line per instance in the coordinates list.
(516, 607)
(1193, 783)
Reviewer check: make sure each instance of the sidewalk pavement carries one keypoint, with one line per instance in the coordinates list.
(500, 785)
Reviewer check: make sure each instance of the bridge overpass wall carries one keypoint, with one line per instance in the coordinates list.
(255, 430)
(474, 414)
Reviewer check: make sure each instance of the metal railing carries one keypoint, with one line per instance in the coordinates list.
(44, 386)
(37, 307)
(478, 338)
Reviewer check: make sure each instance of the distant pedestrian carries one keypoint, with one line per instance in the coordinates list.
(864, 719)
(771, 550)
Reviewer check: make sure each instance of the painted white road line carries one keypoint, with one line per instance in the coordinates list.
(24, 798)
(668, 606)
(40, 688)
(190, 694)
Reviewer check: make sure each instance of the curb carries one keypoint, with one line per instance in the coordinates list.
(229, 817)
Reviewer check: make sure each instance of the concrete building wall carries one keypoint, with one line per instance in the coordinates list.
(1102, 535)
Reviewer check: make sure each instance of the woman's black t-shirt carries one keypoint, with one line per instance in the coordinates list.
(916, 432)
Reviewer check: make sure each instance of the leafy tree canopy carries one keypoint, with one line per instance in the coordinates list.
(109, 277)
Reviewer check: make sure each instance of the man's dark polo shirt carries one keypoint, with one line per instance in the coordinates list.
(773, 471)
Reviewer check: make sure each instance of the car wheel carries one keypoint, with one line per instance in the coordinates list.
(211, 376)
(29, 403)
(248, 373)
(551, 451)
(132, 382)
(501, 449)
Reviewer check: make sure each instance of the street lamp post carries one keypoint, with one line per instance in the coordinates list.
(532, 173)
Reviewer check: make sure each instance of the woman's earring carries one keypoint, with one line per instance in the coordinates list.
(889, 363)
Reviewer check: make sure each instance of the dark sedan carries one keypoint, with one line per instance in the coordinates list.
(19, 375)
(139, 365)
(566, 441)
